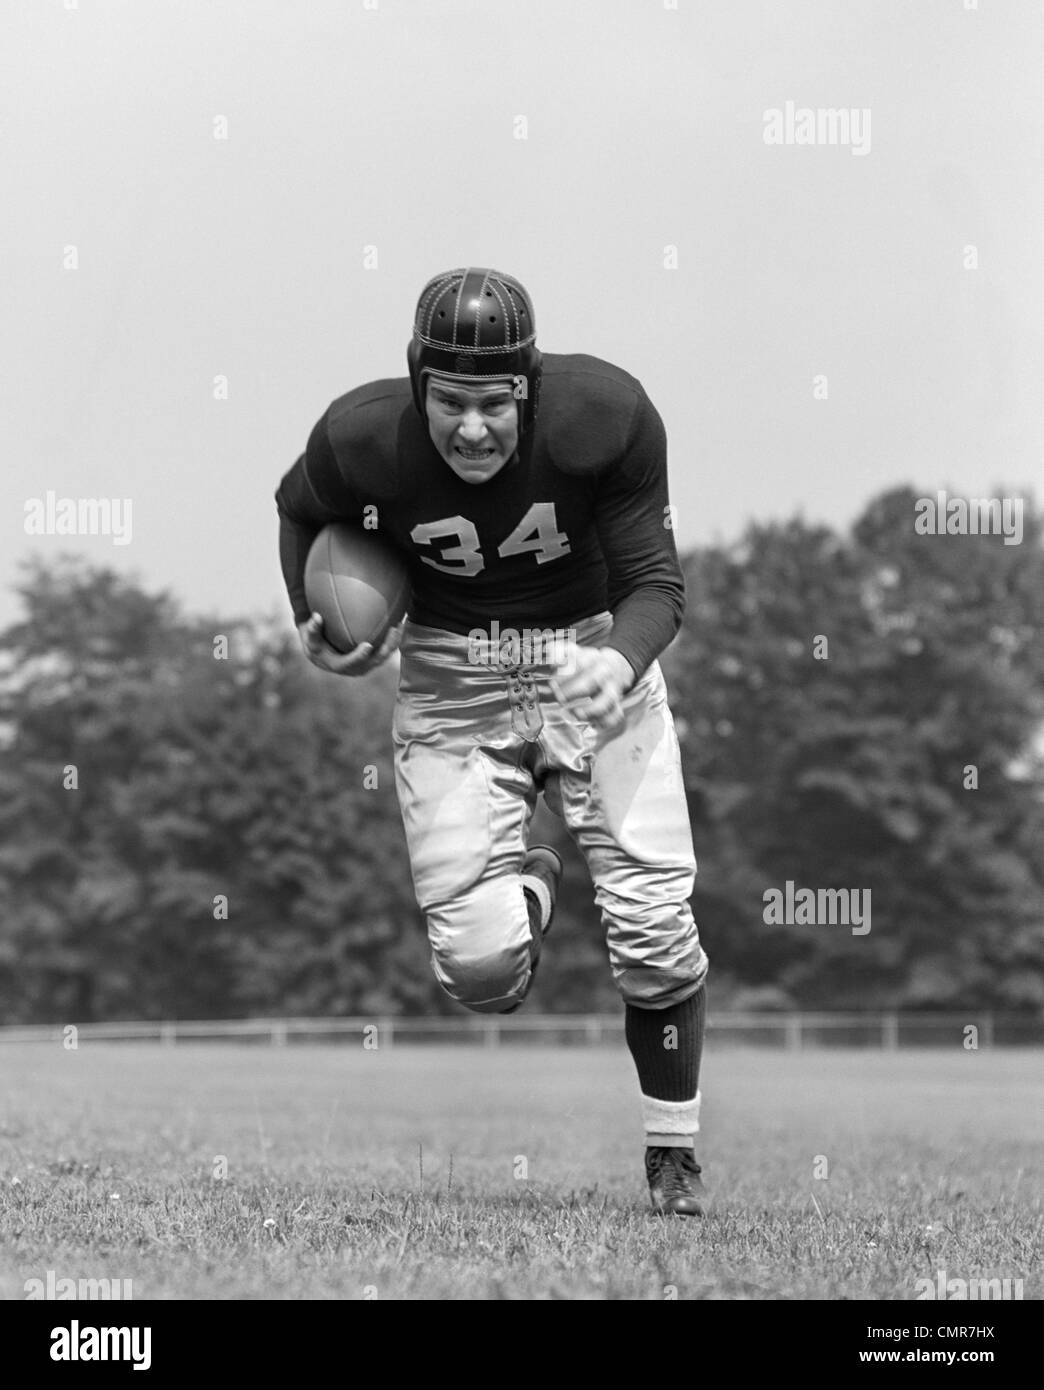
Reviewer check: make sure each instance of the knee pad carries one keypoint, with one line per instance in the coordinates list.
(487, 983)
(480, 942)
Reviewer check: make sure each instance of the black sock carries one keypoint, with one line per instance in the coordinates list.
(668, 1063)
(536, 937)
(535, 930)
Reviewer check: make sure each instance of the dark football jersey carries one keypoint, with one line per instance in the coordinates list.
(577, 523)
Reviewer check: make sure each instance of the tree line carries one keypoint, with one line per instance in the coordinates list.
(196, 823)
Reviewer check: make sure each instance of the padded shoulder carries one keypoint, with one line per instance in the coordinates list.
(587, 411)
(369, 414)
(366, 428)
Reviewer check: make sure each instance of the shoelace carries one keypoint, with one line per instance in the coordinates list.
(674, 1168)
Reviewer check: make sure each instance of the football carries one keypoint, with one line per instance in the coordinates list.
(358, 583)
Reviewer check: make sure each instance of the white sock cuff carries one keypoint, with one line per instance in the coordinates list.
(671, 1116)
(540, 891)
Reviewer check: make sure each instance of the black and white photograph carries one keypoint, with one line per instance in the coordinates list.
(522, 669)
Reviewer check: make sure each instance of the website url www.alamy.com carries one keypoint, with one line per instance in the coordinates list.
(946, 1357)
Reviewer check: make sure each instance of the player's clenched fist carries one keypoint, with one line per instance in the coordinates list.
(357, 662)
(598, 678)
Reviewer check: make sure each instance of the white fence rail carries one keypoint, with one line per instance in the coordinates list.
(789, 1030)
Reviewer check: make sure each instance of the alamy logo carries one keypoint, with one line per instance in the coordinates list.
(820, 125)
(531, 646)
(941, 1287)
(791, 906)
(51, 515)
(942, 515)
(76, 1343)
(54, 1288)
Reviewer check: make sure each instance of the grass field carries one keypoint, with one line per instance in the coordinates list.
(455, 1172)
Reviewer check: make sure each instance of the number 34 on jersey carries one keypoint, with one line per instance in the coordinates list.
(537, 532)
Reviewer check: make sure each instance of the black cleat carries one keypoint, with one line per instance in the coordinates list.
(543, 864)
(674, 1181)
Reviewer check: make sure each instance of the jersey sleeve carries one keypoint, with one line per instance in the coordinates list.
(312, 494)
(646, 584)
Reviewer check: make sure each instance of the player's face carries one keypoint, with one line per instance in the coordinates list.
(474, 428)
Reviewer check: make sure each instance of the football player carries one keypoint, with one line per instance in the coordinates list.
(528, 492)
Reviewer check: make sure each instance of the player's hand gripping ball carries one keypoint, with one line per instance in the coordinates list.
(357, 588)
(357, 662)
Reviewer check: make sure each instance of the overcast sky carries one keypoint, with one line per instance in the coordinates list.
(396, 127)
